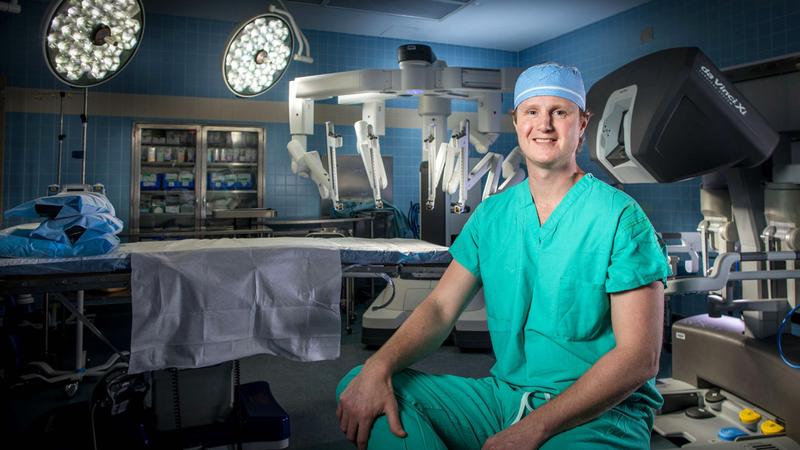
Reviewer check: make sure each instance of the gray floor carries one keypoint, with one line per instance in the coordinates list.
(306, 390)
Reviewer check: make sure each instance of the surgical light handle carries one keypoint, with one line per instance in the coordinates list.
(303, 49)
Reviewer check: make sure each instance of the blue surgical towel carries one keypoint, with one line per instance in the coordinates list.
(17, 242)
(76, 224)
(77, 229)
(65, 204)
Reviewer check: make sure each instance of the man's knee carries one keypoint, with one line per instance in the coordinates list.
(612, 430)
(401, 381)
(381, 435)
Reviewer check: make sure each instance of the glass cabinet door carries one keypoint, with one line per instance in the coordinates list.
(234, 172)
(164, 184)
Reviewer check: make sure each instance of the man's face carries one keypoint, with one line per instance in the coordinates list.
(548, 130)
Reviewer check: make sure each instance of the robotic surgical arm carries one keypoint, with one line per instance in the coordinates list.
(308, 165)
(301, 124)
(450, 162)
(511, 173)
(333, 141)
(368, 146)
(489, 106)
(436, 158)
(458, 177)
(488, 130)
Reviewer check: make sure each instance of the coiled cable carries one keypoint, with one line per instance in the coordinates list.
(786, 320)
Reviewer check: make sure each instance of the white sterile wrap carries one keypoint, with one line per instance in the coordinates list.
(202, 307)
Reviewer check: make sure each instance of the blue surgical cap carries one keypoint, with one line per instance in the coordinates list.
(550, 79)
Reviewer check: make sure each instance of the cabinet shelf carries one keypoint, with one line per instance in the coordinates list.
(174, 191)
(186, 214)
(151, 144)
(232, 191)
(167, 164)
(231, 164)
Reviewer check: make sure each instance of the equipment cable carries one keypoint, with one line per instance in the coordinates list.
(786, 320)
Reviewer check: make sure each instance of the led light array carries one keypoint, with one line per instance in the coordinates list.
(88, 38)
(258, 55)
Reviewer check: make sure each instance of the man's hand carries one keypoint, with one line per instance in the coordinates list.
(368, 396)
(519, 436)
(370, 393)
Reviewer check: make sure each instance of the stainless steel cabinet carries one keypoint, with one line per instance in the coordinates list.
(181, 174)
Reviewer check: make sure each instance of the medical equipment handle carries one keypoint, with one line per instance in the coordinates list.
(721, 273)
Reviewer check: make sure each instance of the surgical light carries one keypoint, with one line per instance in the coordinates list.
(88, 42)
(259, 51)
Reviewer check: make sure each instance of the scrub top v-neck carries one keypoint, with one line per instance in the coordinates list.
(547, 285)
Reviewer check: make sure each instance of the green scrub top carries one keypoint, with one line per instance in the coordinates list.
(547, 286)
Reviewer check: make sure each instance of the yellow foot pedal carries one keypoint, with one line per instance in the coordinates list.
(769, 427)
(749, 418)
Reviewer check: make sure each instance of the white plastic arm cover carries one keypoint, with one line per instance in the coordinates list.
(489, 165)
(334, 141)
(436, 162)
(449, 152)
(482, 141)
(308, 165)
(511, 169)
(460, 173)
(368, 147)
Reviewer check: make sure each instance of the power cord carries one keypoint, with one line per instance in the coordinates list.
(786, 320)
(385, 278)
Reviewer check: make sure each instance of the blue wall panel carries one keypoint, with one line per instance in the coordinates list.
(181, 56)
(32, 150)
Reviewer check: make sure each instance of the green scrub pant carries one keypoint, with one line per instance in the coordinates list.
(451, 412)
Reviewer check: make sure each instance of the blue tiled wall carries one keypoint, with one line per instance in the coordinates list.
(181, 56)
(730, 32)
(32, 150)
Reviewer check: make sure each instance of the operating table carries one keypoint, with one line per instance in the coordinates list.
(357, 258)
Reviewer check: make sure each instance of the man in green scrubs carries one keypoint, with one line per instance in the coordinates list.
(573, 274)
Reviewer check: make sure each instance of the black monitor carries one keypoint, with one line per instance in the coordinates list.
(673, 115)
